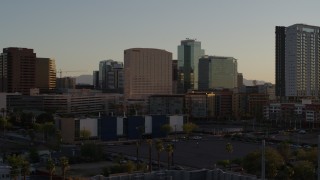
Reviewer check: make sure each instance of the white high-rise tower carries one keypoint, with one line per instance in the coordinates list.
(302, 68)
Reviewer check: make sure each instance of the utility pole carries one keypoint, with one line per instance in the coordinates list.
(318, 157)
(263, 161)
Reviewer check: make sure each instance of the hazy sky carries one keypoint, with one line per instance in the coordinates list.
(80, 33)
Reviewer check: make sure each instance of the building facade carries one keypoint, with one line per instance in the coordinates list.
(45, 74)
(111, 76)
(17, 70)
(217, 72)
(189, 52)
(300, 57)
(66, 83)
(240, 80)
(147, 72)
(166, 104)
(95, 79)
(280, 60)
(85, 103)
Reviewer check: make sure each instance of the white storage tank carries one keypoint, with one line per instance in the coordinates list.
(148, 125)
(89, 124)
(176, 122)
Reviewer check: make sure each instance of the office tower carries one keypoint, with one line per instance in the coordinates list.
(111, 76)
(174, 76)
(189, 52)
(95, 79)
(280, 60)
(240, 80)
(147, 72)
(17, 70)
(300, 54)
(66, 83)
(45, 74)
(217, 72)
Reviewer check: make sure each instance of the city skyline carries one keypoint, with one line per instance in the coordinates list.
(84, 33)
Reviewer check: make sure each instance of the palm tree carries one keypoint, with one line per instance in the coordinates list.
(25, 169)
(149, 142)
(137, 151)
(15, 162)
(169, 149)
(160, 148)
(229, 149)
(188, 128)
(51, 167)
(64, 164)
(166, 129)
(5, 124)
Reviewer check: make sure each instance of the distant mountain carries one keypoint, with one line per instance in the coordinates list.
(84, 79)
(249, 82)
(87, 79)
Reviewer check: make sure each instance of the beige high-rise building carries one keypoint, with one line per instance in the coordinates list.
(147, 72)
(45, 74)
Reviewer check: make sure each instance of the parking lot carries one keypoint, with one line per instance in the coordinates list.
(198, 152)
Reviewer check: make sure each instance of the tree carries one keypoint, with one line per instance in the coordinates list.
(169, 150)
(159, 148)
(149, 142)
(4, 123)
(64, 164)
(166, 129)
(47, 129)
(223, 163)
(310, 155)
(229, 149)
(274, 161)
(137, 151)
(303, 170)
(285, 173)
(50, 167)
(285, 151)
(25, 168)
(15, 162)
(189, 127)
(85, 134)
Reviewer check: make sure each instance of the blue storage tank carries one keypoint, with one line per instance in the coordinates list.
(135, 127)
(107, 128)
(157, 122)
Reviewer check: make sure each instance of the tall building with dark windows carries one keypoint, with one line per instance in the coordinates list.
(280, 60)
(189, 52)
(95, 79)
(17, 70)
(217, 72)
(174, 76)
(297, 54)
(147, 72)
(111, 76)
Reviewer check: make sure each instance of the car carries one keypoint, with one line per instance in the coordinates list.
(177, 167)
(307, 146)
(302, 131)
(196, 137)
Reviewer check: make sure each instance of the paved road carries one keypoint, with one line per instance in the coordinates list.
(188, 153)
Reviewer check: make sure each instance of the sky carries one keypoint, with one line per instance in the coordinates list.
(80, 33)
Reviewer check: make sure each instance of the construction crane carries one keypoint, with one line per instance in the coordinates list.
(60, 72)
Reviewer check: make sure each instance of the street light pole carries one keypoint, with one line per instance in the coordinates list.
(263, 164)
